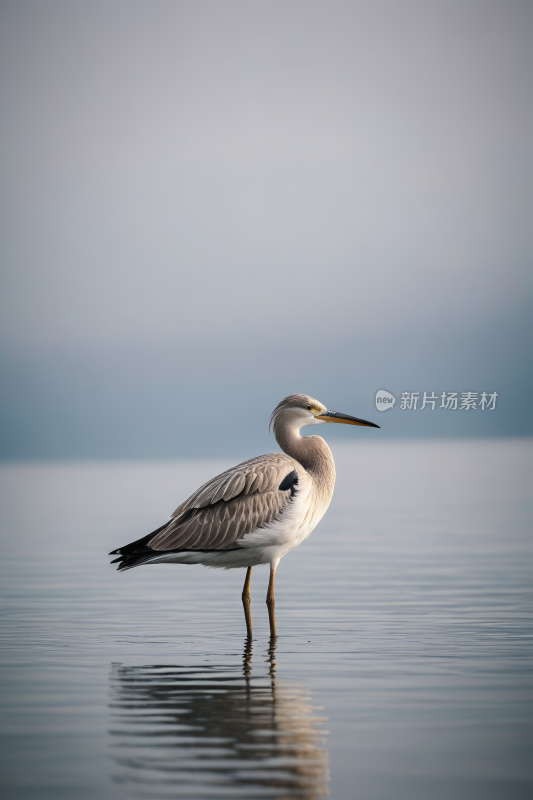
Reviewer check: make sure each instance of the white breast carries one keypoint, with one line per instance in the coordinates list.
(292, 527)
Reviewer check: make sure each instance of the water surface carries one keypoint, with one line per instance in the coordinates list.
(402, 668)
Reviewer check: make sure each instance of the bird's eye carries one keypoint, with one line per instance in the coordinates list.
(309, 408)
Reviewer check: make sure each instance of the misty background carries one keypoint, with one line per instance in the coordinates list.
(207, 206)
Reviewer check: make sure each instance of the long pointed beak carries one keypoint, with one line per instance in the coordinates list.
(335, 416)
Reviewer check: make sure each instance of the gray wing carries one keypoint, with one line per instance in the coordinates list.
(237, 502)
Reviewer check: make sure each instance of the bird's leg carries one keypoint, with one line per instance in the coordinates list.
(270, 603)
(246, 602)
(246, 587)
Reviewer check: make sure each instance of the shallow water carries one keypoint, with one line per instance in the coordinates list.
(402, 667)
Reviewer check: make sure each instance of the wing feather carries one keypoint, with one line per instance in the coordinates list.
(229, 506)
(249, 480)
(234, 487)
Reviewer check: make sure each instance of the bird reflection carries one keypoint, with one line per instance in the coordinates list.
(215, 731)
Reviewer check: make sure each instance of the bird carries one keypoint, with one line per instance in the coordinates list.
(255, 512)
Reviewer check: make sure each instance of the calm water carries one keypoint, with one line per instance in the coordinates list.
(402, 669)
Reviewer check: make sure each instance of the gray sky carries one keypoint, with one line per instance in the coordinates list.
(209, 205)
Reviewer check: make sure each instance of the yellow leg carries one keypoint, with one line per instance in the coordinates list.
(246, 602)
(270, 604)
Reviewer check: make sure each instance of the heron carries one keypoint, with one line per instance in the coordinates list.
(255, 512)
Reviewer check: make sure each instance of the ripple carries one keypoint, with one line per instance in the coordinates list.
(215, 732)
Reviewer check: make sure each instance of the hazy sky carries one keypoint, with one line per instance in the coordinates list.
(209, 205)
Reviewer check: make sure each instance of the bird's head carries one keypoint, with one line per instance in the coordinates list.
(301, 410)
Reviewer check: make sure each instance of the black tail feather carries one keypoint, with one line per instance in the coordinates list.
(135, 553)
(135, 560)
(134, 546)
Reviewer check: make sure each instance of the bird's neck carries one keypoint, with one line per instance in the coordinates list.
(311, 452)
